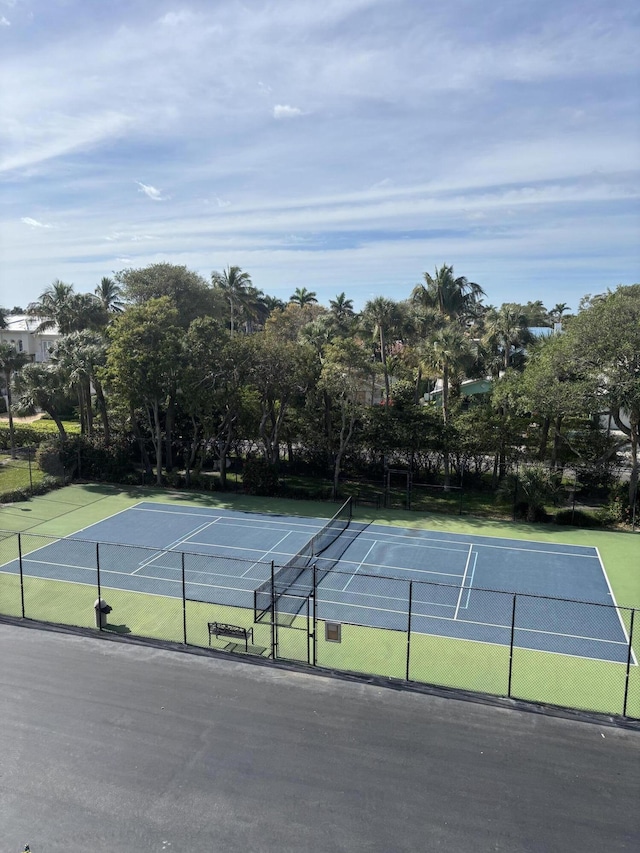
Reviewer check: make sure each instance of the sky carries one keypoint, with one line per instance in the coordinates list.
(341, 145)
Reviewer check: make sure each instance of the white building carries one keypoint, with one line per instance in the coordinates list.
(21, 333)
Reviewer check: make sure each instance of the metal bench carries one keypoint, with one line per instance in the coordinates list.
(222, 629)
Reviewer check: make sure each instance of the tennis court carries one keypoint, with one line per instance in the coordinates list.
(400, 579)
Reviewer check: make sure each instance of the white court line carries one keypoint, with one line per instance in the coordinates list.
(263, 558)
(613, 599)
(386, 567)
(466, 569)
(95, 523)
(344, 589)
(473, 571)
(413, 544)
(480, 624)
(244, 522)
(462, 542)
(186, 537)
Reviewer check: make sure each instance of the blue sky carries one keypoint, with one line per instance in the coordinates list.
(342, 145)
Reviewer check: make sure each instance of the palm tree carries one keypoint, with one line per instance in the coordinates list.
(255, 309)
(303, 297)
(272, 303)
(557, 311)
(341, 313)
(41, 386)
(80, 357)
(60, 306)
(505, 332)
(381, 316)
(10, 363)
(452, 298)
(109, 293)
(341, 307)
(236, 286)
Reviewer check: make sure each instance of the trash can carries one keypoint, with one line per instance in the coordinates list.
(102, 610)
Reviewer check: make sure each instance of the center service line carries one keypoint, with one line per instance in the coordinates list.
(464, 576)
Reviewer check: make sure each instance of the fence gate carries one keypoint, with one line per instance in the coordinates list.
(293, 629)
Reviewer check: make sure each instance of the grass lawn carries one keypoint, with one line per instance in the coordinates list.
(536, 676)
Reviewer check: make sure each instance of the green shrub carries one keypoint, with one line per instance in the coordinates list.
(259, 477)
(49, 459)
(577, 518)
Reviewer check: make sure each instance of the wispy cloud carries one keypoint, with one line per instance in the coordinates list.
(514, 156)
(152, 192)
(4, 22)
(285, 111)
(34, 223)
(173, 19)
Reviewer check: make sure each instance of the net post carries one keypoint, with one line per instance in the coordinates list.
(98, 581)
(410, 605)
(184, 599)
(629, 656)
(21, 574)
(513, 623)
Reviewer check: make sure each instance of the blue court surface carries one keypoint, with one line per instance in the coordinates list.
(462, 586)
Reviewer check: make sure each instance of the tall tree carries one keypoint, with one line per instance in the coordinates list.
(456, 303)
(81, 357)
(109, 294)
(211, 387)
(606, 335)
(41, 386)
(187, 291)
(341, 313)
(60, 306)
(143, 361)
(382, 317)
(238, 292)
(278, 371)
(303, 297)
(452, 298)
(506, 332)
(10, 363)
(345, 370)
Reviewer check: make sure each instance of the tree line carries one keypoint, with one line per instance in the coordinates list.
(183, 368)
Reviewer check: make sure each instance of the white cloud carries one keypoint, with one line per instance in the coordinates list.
(4, 22)
(152, 192)
(285, 111)
(172, 19)
(34, 222)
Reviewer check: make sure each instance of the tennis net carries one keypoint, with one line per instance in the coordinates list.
(298, 572)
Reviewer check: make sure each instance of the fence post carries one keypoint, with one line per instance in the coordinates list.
(184, 600)
(409, 629)
(98, 581)
(629, 655)
(21, 574)
(314, 617)
(513, 623)
(274, 632)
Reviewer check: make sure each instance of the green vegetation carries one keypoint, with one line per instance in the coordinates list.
(184, 382)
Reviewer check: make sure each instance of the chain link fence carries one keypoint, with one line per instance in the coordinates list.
(574, 654)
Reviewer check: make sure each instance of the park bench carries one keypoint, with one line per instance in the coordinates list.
(222, 629)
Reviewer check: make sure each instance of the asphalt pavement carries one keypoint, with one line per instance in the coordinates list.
(116, 746)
